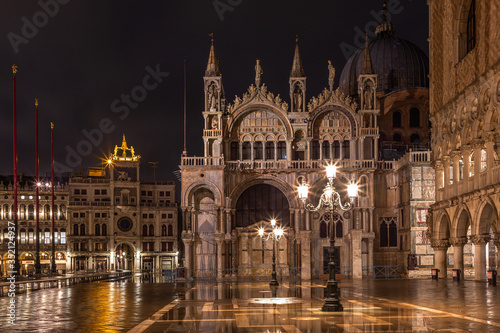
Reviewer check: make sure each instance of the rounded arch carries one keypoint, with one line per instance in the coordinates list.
(325, 110)
(202, 185)
(121, 243)
(262, 202)
(240, 113)
(288, 191)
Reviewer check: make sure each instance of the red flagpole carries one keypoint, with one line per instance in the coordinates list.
(16, 227)
(38, 268)
(53, 259)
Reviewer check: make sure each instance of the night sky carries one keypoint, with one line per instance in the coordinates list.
(85, 55)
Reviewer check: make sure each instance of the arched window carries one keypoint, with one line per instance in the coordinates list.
(384, 241)
(315, 150)
(483, 160)
(22, 212)
(62, 212)
(414, 117)
(46, 211)
(396, 137)
(323, 229)
(144, 230)
(75, 229)
(82, 229)
(415, 138)
(22, 233)
(170, 230)
(6, 212)
(281, 150)
(163, 230)
(235, 151)
(471, 27)
(97, 230)
(363, 188)
(56, 238)
(104, 230)
(346, 149)
(63, 236)
(393, 234)
(46, 236)
(31, 212)
(246, 150)
(269, 150)
(56, 216)
(151, 230)
(336, 149)
(471, 164)
(396, 119)
(257, 150)
(5, 236)
(326, 150)
(31, 236)
(339, 231)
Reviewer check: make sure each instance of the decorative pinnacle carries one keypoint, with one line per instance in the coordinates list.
(14, 69)
(36, 101)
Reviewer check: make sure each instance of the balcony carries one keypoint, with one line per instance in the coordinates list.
(369, 131)
(212, 133)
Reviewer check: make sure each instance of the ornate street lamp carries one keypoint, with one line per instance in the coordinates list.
(330, 199)
(274, 235)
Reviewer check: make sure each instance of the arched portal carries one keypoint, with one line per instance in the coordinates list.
(262, 202)
(125, 257)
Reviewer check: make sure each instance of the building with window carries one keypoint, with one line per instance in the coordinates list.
(105, 220)
(260, 147)
(464, 111)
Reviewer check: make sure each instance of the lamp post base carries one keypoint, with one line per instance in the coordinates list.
(274, 283)
(332, 306)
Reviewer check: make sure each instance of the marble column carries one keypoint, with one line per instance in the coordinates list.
(357, 260)
(188, 255)
(234, 239)
(305, 253)
(440, 247)
(458, 253)
(220, 263)
(480, 242)
(490, 158)
(370, 256)
(496, 240)
(446, 166)
(455, 157)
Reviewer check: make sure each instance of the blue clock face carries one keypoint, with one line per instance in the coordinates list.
(125, 224)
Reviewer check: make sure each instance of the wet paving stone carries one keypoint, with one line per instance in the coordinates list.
(148, 305)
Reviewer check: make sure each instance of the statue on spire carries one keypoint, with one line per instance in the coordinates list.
(331, 74)
(258, 73)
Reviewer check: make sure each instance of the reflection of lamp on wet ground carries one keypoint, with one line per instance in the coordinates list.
(330, 199)
(275, 235)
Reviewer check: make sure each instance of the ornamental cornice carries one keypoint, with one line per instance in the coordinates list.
(480, 239)
(440, 244)
(458, 241)
(466, 149)
(455, 153)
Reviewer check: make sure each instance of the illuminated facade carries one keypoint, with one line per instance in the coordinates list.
(465, 99)
(104, 221)
(260, 147)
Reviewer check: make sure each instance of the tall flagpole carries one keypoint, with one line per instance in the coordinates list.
(16, 226)
(53, 257)
(38, 268)
(184, 153)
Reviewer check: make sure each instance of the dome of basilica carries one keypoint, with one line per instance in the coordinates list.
(399, 63)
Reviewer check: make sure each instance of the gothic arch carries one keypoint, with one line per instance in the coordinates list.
(126, 243)
(442, 227)
(486, 217)
(461, 221)
(198, 186)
